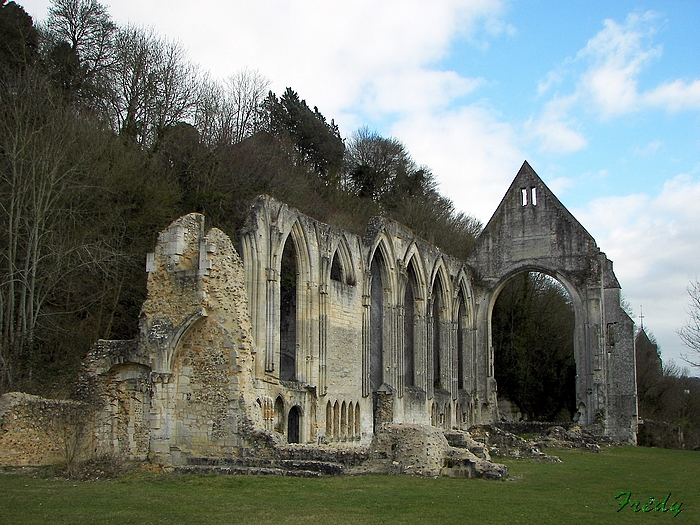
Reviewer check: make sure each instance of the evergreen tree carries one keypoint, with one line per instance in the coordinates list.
(19, 39)
(317, 142)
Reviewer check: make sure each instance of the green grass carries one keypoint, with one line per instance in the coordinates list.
(580, 491)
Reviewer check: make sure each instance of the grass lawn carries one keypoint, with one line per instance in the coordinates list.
(581, 490)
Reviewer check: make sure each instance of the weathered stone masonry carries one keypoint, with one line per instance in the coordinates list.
(317, 335)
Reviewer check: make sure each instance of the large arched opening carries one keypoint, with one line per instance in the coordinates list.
(439, 338)
(288, 311)
(376, 335)
(533, 339)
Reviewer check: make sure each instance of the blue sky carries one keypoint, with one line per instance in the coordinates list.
(602, 98)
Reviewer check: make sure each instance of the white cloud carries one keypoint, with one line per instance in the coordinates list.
(614, 59)
(618, 54)
(552, 79)
(335, 54)
(560, 185)
(407, 91)
(674, 96)
(554, 127)
(475, 154)
(649, 149)
(653, 241)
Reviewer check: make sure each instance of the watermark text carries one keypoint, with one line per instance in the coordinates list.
(625, 498)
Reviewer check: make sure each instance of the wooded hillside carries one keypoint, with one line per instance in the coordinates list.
(109, 133)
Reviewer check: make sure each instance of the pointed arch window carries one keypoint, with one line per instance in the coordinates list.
(341, 265)
(409, 329)
(337, 269)
(437, 318)
(460, 340)
(289, 271)
(376, 364)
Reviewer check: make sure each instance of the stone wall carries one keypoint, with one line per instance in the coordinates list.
(37, 431)
(197, 326)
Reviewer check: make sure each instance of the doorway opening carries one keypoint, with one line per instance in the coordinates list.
(293, 423)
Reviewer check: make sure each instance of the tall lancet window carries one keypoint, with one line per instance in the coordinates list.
(376, 360)
(288, 311)
(437, 313)
(409, 330)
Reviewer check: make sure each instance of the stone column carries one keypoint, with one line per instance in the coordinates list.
(271, 318)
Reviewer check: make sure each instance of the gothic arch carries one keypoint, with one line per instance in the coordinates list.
(383, 246)
(289, 357)
(532, 231)
(168, 349)
(463, 327)
(440, 343)
(342, 260)
(414, 259)
(378, 323)
(298, 235)
(412, 323)
(441, 275)
(582, 358)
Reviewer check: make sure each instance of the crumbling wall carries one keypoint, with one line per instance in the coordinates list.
(197, 325)
(38, 431)
(423, 450)
(185, 386)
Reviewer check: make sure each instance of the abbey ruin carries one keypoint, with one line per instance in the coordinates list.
(315, 335)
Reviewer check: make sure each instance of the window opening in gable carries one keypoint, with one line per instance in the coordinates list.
(523, 194)
(533, 196)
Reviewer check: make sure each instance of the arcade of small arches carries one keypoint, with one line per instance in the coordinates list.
(342, 422)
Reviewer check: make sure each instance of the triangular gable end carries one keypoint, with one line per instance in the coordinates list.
(530, 227)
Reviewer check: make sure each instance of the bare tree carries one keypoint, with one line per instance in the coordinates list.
(45, 190)
(229, 112)
(690, 333)
(207, 110)
(244, 94)
(88, 28)
(154, 86)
